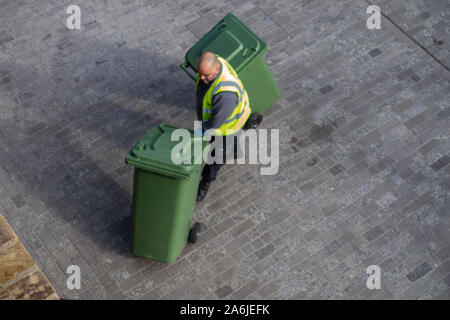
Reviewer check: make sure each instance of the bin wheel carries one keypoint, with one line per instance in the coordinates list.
(194, 232)
(254, 121)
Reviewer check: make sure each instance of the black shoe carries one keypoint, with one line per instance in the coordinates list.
(253, 121)
(202, 189)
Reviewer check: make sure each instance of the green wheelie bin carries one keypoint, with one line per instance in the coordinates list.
(164, 192)
(237, 44)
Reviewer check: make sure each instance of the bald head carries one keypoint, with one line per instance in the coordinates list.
(208, 59)
(208, 67)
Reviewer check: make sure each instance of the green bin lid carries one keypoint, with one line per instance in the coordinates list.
(231, 40)
(154, 151)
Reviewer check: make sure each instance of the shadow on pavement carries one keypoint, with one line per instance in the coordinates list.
(65, 142)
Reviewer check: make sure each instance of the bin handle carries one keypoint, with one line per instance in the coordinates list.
(186, 66)
(249, 51)
(221, 26)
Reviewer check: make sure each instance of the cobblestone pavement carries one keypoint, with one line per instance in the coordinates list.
(364, 148)
(20, 278)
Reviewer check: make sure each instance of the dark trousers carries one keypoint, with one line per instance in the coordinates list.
(209, 172)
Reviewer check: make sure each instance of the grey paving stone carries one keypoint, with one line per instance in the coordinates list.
(242, 227)
(354, 288)
(255, 244)
(269, 289)
(374, 52)
(247, 289)
(415, 78)
(374, 233)
(440, 272)
(18, 201)
(223, 292)
(336, 169)
(326, 89)
(346, 251)
(265, 251)
(297, 257)
(440, 163)
(419, 272)
(237, 243)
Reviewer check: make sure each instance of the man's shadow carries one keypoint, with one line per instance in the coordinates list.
(72, 126)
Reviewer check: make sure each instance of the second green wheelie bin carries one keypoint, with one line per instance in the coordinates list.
(164, 192)
(242, 48)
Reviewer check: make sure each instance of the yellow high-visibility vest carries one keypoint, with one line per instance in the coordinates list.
(227, 80)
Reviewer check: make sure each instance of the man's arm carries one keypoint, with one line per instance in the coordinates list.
(223, 105)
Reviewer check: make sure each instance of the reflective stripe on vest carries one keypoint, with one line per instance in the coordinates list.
(224, 84)
(242, 119)
(236, 116)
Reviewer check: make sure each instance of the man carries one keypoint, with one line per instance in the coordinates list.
(222, 105)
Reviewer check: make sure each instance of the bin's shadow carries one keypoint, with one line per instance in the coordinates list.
(77, 152)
